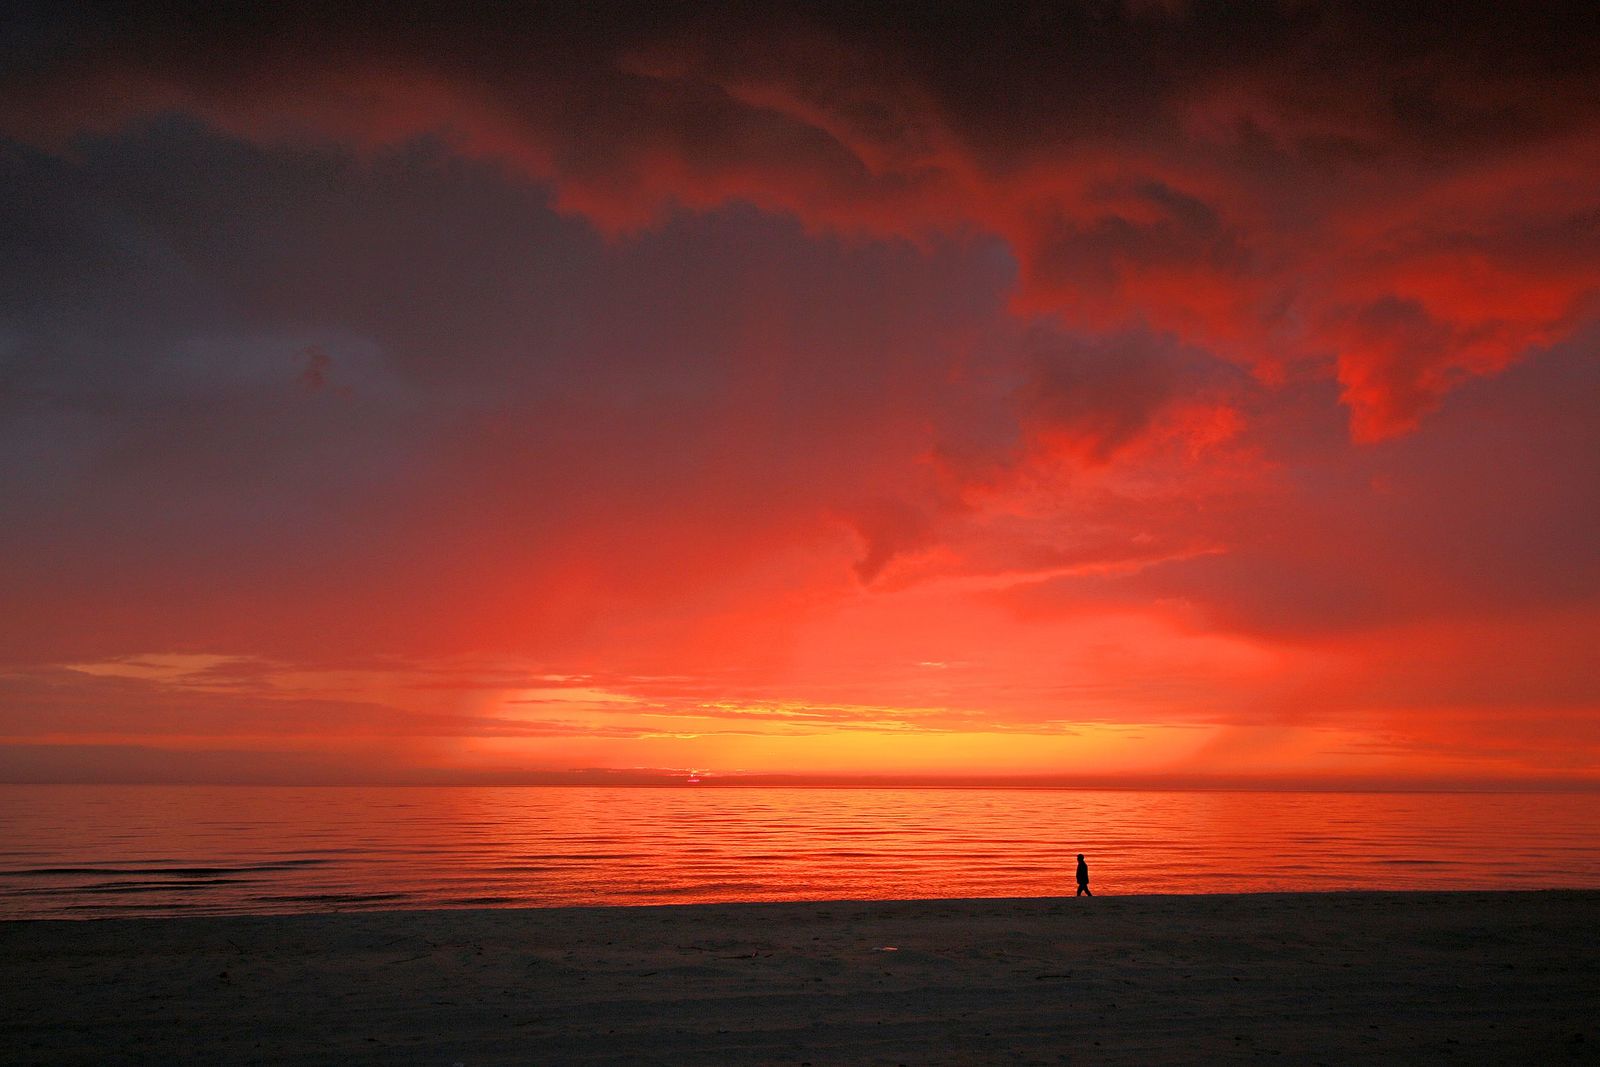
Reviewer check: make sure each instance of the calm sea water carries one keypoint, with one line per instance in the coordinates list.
(84, 851)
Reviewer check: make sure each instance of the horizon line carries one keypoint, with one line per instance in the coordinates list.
(663, 779)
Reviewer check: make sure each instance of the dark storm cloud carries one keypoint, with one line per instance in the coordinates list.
(1230, 173)
(1095, 397)
(506, 400)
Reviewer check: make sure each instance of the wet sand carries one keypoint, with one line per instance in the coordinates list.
(1290, 978)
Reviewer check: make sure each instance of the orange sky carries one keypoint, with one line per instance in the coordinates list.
(1097, 395)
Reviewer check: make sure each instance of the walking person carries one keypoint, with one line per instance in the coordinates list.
(1083, 877)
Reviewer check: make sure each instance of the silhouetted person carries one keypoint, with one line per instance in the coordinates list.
(1083, 877)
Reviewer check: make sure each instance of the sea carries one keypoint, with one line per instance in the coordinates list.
(103, 851)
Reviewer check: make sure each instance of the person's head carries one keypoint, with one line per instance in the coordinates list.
(1080, 855)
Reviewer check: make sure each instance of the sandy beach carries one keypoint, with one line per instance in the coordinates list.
(1296, 978)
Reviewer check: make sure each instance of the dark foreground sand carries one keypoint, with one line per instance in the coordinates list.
(1291, 978)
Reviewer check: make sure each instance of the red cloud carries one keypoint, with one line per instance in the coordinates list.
(1315, 188)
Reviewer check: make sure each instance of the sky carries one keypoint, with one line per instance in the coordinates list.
(1106, 393)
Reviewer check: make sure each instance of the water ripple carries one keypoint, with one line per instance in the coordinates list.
(97, 851)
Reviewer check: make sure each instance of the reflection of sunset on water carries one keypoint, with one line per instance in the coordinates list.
(97, 851)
